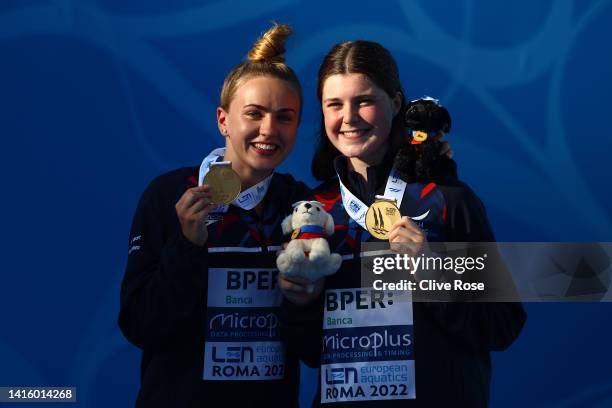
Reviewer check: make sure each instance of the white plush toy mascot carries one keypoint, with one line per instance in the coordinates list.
(307, 255)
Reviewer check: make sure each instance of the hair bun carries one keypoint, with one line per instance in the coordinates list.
(270, 47)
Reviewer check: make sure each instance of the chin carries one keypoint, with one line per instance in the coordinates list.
(353, 152)
(267, 165)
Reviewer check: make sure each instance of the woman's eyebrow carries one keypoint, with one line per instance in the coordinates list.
(263, 108)
(360, 96)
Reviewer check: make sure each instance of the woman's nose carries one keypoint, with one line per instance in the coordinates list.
(349, 114)
(268, 126)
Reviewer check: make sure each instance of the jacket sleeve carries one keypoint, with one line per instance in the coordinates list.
(489, 324)
(163, 287)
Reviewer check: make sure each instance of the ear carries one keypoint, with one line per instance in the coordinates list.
(286, 225)
(222, 121)
(329, 225)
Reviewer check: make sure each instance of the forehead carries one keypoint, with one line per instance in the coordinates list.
(347, 85)
(266, 91)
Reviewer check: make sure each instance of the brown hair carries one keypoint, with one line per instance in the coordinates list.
(358, 57)
(264, 59)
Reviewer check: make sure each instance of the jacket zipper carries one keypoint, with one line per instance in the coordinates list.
(264, 247)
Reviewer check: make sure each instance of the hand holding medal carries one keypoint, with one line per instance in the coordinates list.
(406, 237)
(384, 221)
(192, 211)
(220, 186)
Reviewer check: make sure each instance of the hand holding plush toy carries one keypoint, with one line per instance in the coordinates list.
(307, 255)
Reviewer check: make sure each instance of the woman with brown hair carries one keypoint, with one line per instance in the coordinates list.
(372, 349)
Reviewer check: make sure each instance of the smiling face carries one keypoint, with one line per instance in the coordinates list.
(358, 116)
(260, 126)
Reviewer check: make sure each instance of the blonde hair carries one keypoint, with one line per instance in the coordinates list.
(266, 58)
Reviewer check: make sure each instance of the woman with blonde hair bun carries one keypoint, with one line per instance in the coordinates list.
(200, 294)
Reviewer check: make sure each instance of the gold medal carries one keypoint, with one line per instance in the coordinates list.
(224, 183)
(381, 216)
(295, 233)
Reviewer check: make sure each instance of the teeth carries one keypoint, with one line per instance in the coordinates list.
(353, 133)
(264, 146)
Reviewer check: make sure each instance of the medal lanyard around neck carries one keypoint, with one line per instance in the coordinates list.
(357, 210)
(247, 199)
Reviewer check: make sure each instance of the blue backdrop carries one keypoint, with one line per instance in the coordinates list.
(99, 96)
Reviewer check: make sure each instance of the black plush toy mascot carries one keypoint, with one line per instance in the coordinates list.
(419, 159)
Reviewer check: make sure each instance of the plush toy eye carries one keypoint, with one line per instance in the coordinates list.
(295, 210)
(318, 209)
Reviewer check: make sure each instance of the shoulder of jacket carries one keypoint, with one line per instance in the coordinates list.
(328, 185)
(457, 191)
(294, 188)
(172, 183)
(187, 176)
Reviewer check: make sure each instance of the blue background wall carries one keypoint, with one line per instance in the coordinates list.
(98, 97)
